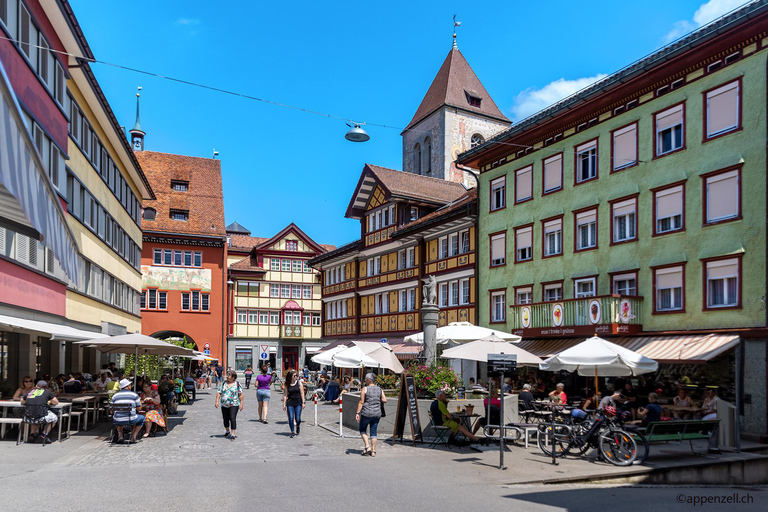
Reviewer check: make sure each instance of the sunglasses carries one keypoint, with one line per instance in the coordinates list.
(27, 381)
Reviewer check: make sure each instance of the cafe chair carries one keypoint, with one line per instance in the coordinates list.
(442, 433)
(127, 407)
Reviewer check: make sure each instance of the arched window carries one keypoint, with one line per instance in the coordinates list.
(428, 146)
(477, 139)
(149, 214)
(417, 157)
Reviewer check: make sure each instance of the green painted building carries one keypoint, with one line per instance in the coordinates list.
(636, 210)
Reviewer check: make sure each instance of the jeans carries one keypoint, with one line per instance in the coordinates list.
(294, 414)
(373, 422)
(229, 414)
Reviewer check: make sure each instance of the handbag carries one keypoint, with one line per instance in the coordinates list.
(381, 406)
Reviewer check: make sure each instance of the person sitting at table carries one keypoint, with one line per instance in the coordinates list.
(165, 388)
(447, 420)
(649, 413)
(60, 380)
(127, 418)
(591, 402)
(494, 412)
(611, 400)
(114, 384)
(26, 385)
(507, 386)
(709, 411)
(558, 395)
(102, 381)
(53, 387)
(345, 387)
(73, 385)
(526, 401)
(189, 386)
(36, 411)
(478, 385)
(682, 400)
(333, 390)
(631, 402)
(150, 400)
(539, 390)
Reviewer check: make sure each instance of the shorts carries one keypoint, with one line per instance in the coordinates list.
(262, 395)
(454, 426)
(138, 421)
(51, 417)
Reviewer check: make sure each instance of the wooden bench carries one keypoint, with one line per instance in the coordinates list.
(684, 430)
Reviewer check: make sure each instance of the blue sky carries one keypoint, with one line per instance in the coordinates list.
(367, 61)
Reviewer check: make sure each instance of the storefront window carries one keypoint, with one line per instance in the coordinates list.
(243, 358)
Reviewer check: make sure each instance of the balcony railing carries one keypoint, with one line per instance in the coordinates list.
(608, 314)
(292, 331)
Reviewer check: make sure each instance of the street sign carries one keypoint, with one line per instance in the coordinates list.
(207, 352)
(207, 346)
(502, 363)
(264, 355)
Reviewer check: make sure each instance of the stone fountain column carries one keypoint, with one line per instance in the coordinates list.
(429, 313)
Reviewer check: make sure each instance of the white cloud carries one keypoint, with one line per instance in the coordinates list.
(531, 101)
(188, 21)
(707, 12)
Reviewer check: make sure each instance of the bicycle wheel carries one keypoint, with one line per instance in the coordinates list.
(553, 441)
(618, 447)
(643, 446)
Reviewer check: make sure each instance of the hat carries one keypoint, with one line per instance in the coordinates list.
(125, 383)
(42, 384)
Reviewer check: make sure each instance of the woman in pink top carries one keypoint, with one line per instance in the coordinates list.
(262, 393)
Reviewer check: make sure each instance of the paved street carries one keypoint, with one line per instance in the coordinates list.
(265, 468)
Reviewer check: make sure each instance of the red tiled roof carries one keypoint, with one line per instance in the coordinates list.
(248, 265)
(450, 87)
(328, 247)
(245, 243)
(462, 202)
(204, 200)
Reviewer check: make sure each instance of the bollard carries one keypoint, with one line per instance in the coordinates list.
(341, 418)
(315, 400)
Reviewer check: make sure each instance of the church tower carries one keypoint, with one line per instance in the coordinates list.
(137, 134)
(456, 114)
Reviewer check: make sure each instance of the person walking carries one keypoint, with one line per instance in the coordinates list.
(230, 396)
(248, 374)
(262, 393)
(293, 400)
(208, 376)
(369, 413)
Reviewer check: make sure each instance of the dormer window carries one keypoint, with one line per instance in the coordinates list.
(149, 214)
(472, 99)
(179, 185)
(182, 215)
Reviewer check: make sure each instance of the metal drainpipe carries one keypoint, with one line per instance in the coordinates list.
(765, 342)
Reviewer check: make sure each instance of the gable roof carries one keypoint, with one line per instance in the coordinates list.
(244, 243)
(451, 85)
(268, 242)
(464, 202)
(204, 199)
(236, 228)
(401, 185)
(247, 265)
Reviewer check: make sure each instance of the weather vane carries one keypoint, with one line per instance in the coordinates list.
(455, 24)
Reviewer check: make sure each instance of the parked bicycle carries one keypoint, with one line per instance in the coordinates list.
(568, 436)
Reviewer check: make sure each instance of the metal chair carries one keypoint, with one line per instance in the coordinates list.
(126, 408)
(443, 433)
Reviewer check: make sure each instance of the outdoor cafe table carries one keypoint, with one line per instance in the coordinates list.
(466, 419)
(90, 401)
(15, 404)
(679, 408)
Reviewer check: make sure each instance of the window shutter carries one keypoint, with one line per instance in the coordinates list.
(553, 225)
(524, 184)
(3, 245)
(553, 171)
(497, 247)
(524, 238)
(722, 268)
(723, 109)
(669, 202)
(669, 118)
(722, 196)
(625, 147)
(586, 217)
(22, 248)
(669, 278)
(624, 207)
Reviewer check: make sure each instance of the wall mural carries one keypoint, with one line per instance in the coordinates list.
(170, 278)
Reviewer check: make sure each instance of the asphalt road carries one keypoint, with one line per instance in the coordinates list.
(194, 468)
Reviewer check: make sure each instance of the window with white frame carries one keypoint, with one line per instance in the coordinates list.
(723, 110)
(464, 241)
(377, 264)
(524, 295)
(285, 291)
(625, 220)
(453, 293)
(274, 290)
(315, 319)
(443, 294)
(411, 299)
(553, 173)
(157, 256)
(198, 259)
(286, 265)
(464, 292)
(307, 319)
(411, 257)
(403, 303)
(453, 244)
(669, 289)
(669, 209)
(499, 193)
(553, 292)
(524, 184)
(443, 247)
(498, 249)
(553, 237)
(297, 265)
(369, 264)
(624, 147)
(264, 317)
(296, 291)
(402, 261)
(586, 230)
(524, 244)
(242, 316)
(669, 130)
(292, 245)
(177, 258)
(306, 268)
(584, 288)
(306, 291)
(414, 213)
(187, 258)
(722, 283)
(152, 302)
(498, 306)
(253, 317)
(274, 318)
(625, 284)
(723, 196)
(586, 161)
(274, 264)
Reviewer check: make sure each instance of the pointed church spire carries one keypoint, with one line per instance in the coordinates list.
(137, 134)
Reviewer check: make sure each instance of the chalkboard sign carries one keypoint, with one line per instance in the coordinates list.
(461, 394)
(407, 406)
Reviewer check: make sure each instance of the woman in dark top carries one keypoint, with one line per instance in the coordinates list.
(369, 413)
(293, 400)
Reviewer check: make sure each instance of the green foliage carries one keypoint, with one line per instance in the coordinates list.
(433, 378)
(387, 381)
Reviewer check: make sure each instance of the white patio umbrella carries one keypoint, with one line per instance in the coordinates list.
(463, 332)
(601, 358)
(326, 357)
(370, 354)
(136, 343)
(478, 350)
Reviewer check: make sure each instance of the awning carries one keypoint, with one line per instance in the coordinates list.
(312, 350)
(679, 349)
(406, 349)
(54, 331)
(272, 350)
(23, 175)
